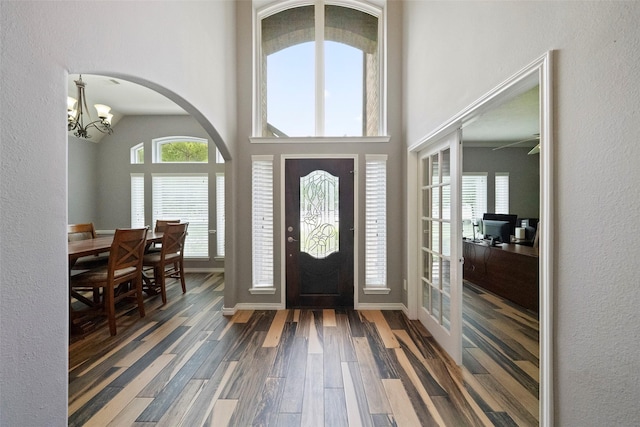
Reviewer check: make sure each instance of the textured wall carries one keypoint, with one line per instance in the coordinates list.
(455, 52)
(41, 43)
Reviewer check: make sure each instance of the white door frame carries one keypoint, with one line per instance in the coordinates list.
(356, 249)
(537, 72)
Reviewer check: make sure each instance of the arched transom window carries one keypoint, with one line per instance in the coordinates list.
(319, 71)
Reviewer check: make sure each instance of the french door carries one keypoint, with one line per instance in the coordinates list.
(440, 286)
(319, 232)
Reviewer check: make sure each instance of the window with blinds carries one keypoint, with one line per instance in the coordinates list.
(474, 201)
(502, 192)
(376, 222)
(220, 218)
(137, 154)
(184, 196)
(137, 200)
(262, 221)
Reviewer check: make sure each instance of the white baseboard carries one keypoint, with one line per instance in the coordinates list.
(230, 311)
(405, 310)
(204, 270)
(380, 306)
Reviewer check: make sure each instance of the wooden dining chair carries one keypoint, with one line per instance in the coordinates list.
(83, 232)
(160, 226)
(123, 274)
(168, 263)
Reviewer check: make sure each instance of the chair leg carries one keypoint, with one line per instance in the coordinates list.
(138, 286)
(109, 306)
(163, 288)
(181, 273)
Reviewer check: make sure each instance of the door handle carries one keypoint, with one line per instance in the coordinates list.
(291, 239)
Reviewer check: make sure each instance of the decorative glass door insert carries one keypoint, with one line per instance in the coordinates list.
(319, 214)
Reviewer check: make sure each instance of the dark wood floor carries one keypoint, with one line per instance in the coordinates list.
(186, 364)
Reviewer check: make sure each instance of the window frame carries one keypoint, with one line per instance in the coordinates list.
(263, 243)
(134, 154)
(376, 9)
(157, 143)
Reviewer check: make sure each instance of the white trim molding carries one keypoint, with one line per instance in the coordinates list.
(380, 306)
(538, 72)
(265, 290)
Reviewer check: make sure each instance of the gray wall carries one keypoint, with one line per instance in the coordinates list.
(524, 176)
(455, 52)
(83, 184)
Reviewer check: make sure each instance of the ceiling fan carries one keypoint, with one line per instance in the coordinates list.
(534, 150)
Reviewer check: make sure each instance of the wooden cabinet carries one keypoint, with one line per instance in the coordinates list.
(507, 270)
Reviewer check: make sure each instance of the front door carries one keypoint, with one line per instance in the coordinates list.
(319, 232)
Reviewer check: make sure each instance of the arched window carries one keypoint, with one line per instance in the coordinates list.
(319, 70)
(180, 149)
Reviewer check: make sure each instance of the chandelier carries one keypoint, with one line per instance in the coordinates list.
(76, 110)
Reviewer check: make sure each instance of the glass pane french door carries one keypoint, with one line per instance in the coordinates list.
(440, 248)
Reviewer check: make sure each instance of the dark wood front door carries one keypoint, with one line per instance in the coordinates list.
(319, 232)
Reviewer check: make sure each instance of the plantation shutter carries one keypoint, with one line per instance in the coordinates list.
(137, 200)
(220, 218)
(262, 220)
(474, 201)
(376, 221)
(502, 192)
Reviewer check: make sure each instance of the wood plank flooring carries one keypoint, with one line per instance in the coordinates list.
(185, 364)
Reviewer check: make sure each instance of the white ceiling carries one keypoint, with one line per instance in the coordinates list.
(124, 97)
(515, 120)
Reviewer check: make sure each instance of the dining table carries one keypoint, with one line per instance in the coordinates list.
(102, 244)
(95, 246)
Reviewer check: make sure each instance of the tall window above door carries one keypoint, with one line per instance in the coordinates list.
(319, 70)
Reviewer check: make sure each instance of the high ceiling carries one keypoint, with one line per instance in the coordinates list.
(515, 120)
(124, 97)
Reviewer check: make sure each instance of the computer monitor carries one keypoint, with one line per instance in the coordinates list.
(498, 230)
(510, 218)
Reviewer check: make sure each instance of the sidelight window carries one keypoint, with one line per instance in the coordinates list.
(262, 221)
(376, 221)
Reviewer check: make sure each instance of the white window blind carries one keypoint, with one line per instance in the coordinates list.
(474, 201)
(137, 200)
(376, 221)
(502, 192)
(185, 196)
(220, 218)
(262, 227)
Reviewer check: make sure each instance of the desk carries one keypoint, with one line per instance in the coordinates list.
(507, 270)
